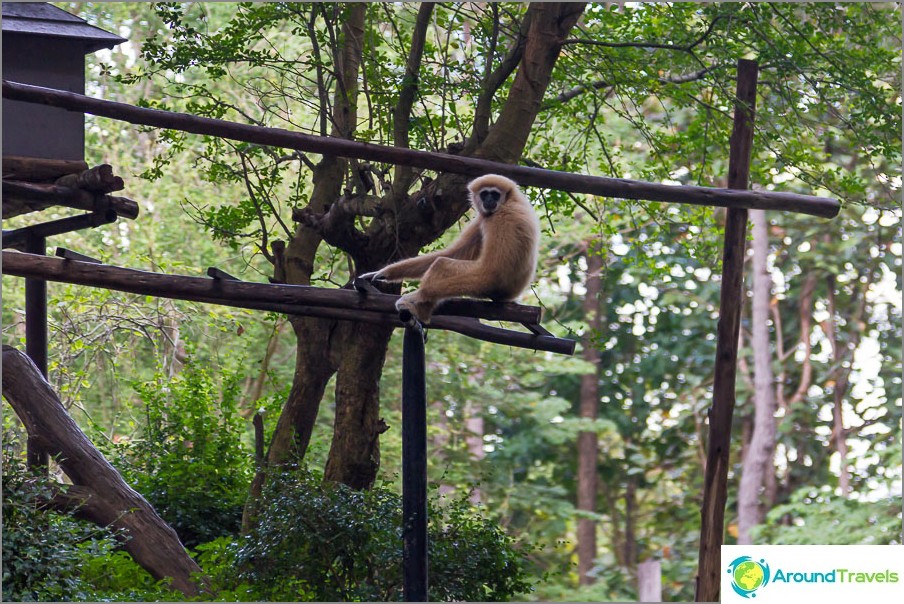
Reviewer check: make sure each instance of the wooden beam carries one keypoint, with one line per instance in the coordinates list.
(440, 162)
(28, 197)
(18, 238)
(715, 485)
(458, 315)
(38, 169)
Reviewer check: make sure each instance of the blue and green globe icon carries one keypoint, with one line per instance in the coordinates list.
(748, 575)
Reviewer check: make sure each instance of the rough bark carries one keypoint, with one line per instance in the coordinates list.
(100, 494)
(758, 458)
(589, 407)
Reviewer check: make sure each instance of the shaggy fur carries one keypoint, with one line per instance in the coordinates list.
(494, 257)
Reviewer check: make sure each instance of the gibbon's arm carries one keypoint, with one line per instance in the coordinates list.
(465, 247)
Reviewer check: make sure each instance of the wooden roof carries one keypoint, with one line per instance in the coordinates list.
(43, 19)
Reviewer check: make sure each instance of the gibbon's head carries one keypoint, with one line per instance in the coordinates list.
(489, 192)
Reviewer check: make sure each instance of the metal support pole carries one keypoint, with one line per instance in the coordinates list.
(36, 338)
(414, 464)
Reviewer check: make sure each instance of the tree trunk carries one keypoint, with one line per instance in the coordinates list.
(839, 434)
(649, 581)
(589, 408)
(99, 494)
(758, 458)
(474, 440)
(357, 351)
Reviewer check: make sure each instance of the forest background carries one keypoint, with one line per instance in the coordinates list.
(552, 477)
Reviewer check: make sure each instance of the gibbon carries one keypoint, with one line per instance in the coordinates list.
(494, 257)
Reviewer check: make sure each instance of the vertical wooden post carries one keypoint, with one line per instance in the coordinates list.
(36, 339)
(414, 464)
(715, 486)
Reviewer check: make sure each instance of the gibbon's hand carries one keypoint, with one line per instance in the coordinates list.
(372, 276)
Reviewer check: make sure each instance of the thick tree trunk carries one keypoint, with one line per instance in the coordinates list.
(758, 458)
(354, 456)
(357, 351)
(100, 494)
(589, 407)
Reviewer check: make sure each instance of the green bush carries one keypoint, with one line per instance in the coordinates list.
(190, 462)
(43, 551)
(326, 542)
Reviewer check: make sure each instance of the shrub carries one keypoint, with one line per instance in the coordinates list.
(326, 542)
(43, 552)
(189, 461)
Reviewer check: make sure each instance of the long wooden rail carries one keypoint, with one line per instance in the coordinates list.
(441, 162)
(460, 315)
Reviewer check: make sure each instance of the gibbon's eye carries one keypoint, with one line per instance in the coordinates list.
(490, 198)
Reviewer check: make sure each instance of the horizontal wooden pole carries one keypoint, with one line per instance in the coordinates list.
(18, 193)
(40, 169)
(341, 304)
(17, 238)
(440, 162)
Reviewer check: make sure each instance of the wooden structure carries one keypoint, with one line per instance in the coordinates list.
(46, 46)
(366, 305)
(44, 148)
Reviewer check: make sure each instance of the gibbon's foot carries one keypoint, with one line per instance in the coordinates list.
(422, 311)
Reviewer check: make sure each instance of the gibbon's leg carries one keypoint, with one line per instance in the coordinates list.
(447, 278)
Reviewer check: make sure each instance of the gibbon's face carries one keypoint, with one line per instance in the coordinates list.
(489, 199)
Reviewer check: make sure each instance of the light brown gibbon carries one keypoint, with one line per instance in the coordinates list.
(494, 257)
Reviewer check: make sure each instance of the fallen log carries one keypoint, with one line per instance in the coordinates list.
(100, 493)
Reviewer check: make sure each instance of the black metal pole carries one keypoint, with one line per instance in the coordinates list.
(36, 338)
(414, 464)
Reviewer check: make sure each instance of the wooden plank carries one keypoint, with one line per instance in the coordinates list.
(715, 487)
(440, 162)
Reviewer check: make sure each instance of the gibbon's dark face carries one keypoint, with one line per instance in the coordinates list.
(490, 199)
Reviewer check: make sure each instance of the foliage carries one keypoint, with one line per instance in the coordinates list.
(816, 516)
(327, 542)
(190, 460)
(43, 552)
(642, 90)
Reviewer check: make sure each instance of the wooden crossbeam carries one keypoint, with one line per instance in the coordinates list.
(459, 315)
(440, 162)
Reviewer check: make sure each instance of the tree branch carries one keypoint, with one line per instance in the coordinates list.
(402, 111)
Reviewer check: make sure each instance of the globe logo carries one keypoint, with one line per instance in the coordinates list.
(748, 575)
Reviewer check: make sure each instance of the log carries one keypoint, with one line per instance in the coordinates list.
(36, 169)
(715, 481)
(18, 238)
(22, 197)
(341, 304)
(440, 162)
(99, 179)
(110, 501)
